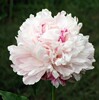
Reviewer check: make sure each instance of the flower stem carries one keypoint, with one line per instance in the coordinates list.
(53, 92)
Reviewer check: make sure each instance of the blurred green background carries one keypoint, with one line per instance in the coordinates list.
(12, 15)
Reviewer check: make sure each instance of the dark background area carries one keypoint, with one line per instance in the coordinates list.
(12, 15)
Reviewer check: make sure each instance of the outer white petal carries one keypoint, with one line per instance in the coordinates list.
(43, 14)
(65, 71)
(55, 74)
(77, 76)
(28, 80)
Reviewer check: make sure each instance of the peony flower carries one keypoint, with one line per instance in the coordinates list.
(51, 48)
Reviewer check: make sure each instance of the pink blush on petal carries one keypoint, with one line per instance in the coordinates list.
(63, 36)
(43, 28)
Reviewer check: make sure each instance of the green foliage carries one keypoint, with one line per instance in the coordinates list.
(10, 9)
(11, 96)
(3, 13)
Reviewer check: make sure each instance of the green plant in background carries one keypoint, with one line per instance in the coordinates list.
(3, 13)
(10, 9)
(6, 9)
(11, 96)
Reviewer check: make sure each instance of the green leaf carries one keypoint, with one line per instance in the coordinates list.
(11, 96)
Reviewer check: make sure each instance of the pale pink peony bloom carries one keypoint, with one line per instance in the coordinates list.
(51, 48)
